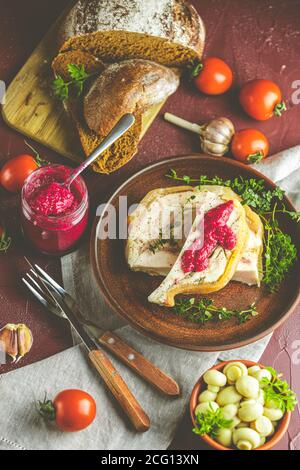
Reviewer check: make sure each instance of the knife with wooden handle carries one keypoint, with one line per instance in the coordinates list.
(120, 391)
(139, 364)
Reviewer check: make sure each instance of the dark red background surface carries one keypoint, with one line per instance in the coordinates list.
(259, 39)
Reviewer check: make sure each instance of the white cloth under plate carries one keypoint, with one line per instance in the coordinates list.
(21, 427)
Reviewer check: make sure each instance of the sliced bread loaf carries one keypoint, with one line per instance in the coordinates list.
(169, 32)
(125, 148)
(132, 86)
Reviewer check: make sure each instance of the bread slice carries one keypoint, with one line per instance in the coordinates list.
(92, 64)
(120, 153)
(159, 261)
(168, 32)
(131, 86)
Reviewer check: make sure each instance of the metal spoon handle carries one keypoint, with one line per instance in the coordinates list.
(120, 128)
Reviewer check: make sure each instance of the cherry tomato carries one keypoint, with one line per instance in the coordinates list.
(72, 410)
(213, 76)
(262, 99)
(249, 146)
(15, 171)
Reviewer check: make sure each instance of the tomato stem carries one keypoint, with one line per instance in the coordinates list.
(279, 109)
(5, 241)
(40, 161)
(196, 69)
(255, 157)
(46, 409)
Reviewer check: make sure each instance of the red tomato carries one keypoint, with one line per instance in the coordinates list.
(249, 146)
(74, 410)
(262, 99)
(214, 77)
(15, 171)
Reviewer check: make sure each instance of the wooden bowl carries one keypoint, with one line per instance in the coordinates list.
(277, 436)
(126, 292)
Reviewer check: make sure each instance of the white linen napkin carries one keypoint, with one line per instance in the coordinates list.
(21, 428)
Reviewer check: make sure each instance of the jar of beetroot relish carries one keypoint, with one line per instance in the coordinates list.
(53, 217)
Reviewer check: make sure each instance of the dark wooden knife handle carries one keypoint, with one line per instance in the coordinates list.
(139, 364)
(120, 390)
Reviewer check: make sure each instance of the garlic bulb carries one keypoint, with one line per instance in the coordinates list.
(15, 341)
(215, 135)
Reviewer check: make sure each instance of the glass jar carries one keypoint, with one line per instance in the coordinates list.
(54, 234)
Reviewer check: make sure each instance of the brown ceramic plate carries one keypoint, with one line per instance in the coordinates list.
(126, 292)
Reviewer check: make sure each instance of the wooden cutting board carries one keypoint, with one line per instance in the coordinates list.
(31, 108)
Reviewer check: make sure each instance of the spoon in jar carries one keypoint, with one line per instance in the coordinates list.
(118, 130)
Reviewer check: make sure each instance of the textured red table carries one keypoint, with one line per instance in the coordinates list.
(258, 38)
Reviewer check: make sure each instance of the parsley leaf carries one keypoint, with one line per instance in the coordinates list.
(60, 88)
(77, 72)
(78, 77)
(278, 391)
(211, 422)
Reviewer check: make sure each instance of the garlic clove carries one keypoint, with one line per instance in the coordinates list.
(212, 148)
(15, 340)
(25, 340)
(9, 341)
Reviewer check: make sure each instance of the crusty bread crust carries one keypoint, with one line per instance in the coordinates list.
(175, 24)
(132, 86)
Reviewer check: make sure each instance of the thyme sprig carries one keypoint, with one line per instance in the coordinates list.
(204, 310)
(161, 242)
